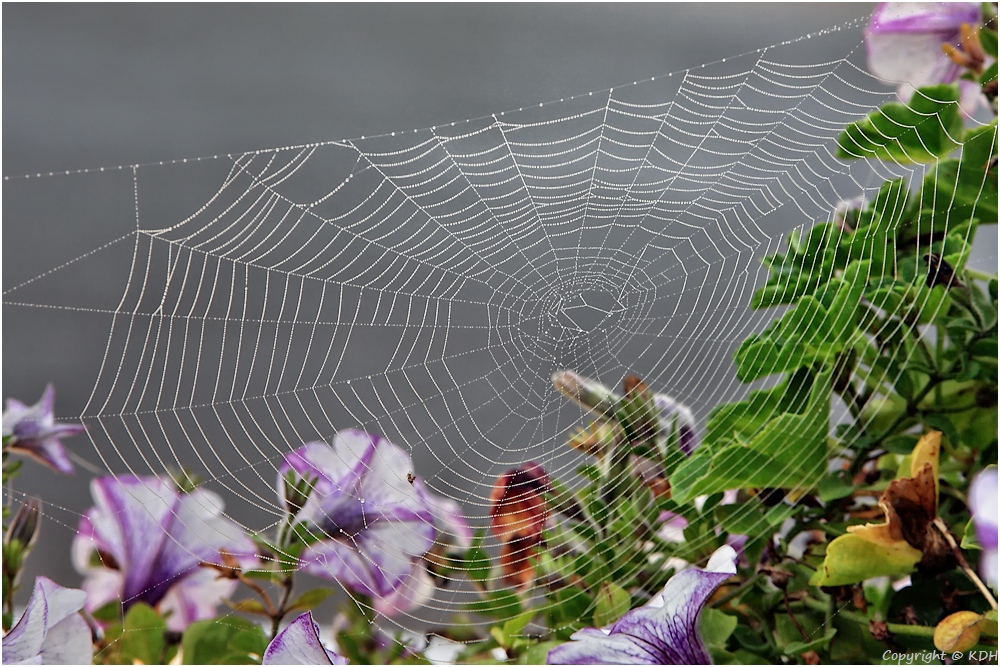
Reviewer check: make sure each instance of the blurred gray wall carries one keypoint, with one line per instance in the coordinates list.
(89, 86)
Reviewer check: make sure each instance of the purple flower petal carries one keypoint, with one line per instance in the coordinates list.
(451, 528)
(372, 522)
(663, 632)
(904, 41)
(416, 590)
(299, 644)
(51, 631)
(34, 432)
(983, 505)
(149, 539)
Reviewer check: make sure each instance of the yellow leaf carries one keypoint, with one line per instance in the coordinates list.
(958, 632)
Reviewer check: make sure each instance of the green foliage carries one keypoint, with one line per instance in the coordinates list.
(138, 638)
(227, 640)
(921, 131)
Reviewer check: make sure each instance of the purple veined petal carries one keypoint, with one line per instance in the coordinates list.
(49, 452)
(923, 16)
(416, 590)
(33, 432)
(385, 487)
(144, 541)
(450, 524)
(983, 505)
(132, 515)
(195, 597)
(299, 644)
(196, 533)
(344, 562)
(663, 632)
(904, 41)
(50, 631)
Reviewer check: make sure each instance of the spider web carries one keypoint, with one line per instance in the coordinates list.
(426, 284)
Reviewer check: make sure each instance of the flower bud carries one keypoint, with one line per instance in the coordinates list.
(24, 526)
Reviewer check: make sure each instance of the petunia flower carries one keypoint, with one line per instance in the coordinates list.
(370, 521)
(453, 532)
(983, 504)
(905, 39)
(51, 631)
(299, 644)
(517, 516)
(33, 431)
(662, 632)
(143, 541)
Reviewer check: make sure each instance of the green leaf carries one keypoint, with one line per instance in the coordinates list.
(612, 602)
(501, 604)
(836, 486)
(921, 131)
(790, 451)
(817, 328)
(476, 561)
(108, 612)
(851, 559)
(217, 641)
(539, 653)
(310, 599)
(716, 626)
(988, 39)
(142, 637)
(249, 606)
(797, 648)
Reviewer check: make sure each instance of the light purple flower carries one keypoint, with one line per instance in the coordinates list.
(299, 644)
(662, 632)
(371, 522)
(33, 431)
(904, 44)
(51, 631)
(453, 532)
(983, 505)
(144, 541)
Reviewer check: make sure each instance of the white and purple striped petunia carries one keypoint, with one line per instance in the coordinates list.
(299, 644)
(143, 541)
(51, 631)
(33, 431)
(904, 45)
(370, 521)
(662, 632)
(983, 505)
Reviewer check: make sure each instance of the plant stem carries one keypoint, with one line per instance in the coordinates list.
(912, 410)
(894, 628)
(286, 584)
(979, 275)
(738, 591)
(962, 563)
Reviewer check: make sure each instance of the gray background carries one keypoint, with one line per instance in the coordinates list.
(100, 86)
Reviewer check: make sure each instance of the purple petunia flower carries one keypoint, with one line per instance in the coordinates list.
(662, 632)
(983, 504)
(51, 631)
(904, 41)
(371, 522)
(144, 541)
(33, 431)
(299, 644)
